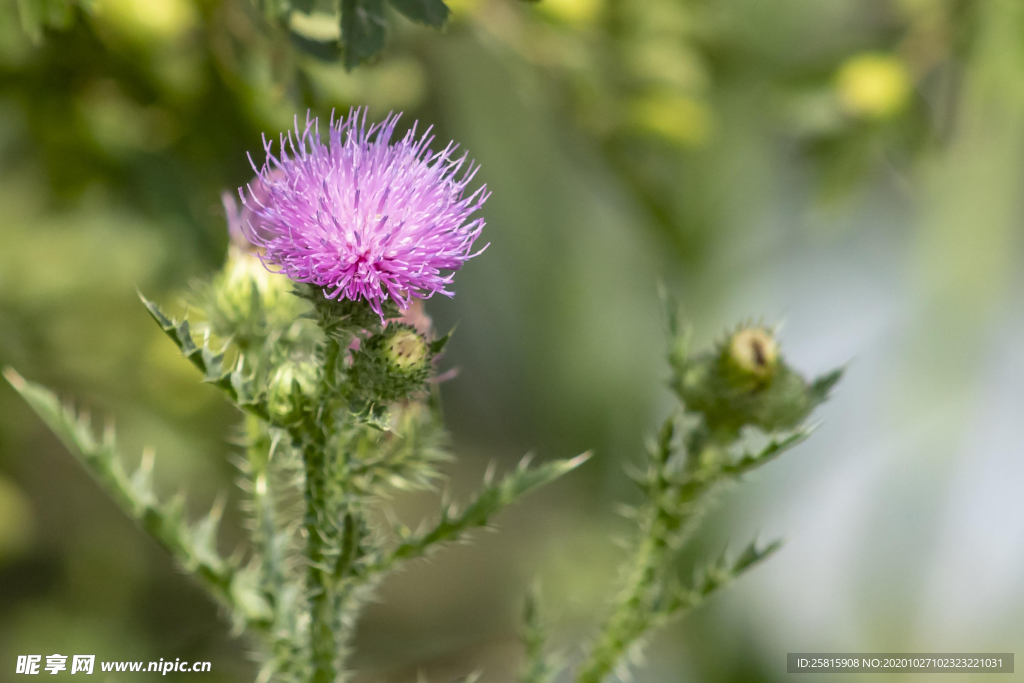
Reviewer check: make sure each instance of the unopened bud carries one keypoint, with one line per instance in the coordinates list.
(406, 351)
(245, 275)
(290, 388)
(754, 353)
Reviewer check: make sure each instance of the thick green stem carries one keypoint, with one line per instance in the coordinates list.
(323, 617)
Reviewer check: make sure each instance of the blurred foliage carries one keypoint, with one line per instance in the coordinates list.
(624, 141)
(351, 31)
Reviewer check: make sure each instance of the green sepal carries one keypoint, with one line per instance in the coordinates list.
(439, 344)
(373, 415)
(341, 318)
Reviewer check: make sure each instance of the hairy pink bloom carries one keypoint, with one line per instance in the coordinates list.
(360, 216)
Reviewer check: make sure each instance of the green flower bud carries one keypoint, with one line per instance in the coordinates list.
(745, 381)
(390, 366)
(406, 351)
(291, 388)
(752, 354)
(246, 296)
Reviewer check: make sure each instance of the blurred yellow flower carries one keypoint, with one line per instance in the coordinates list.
(575, 12)
(873, 85)
(684, 120)
(144, 20)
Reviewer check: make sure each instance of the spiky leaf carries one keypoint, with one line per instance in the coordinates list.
(193, 548)
(494, 497)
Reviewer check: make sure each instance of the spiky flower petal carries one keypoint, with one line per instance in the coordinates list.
(361, 217)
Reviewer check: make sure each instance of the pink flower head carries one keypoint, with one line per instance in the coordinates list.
(362, 217)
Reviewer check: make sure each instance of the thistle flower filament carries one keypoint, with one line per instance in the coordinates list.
(361, 217)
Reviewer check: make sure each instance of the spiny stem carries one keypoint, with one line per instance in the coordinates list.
(671, 512)
(265, 528)
(324, 620)
(633, 613)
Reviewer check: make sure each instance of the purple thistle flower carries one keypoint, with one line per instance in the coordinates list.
(360, 217)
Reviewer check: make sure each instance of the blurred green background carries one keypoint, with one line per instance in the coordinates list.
(853, 167)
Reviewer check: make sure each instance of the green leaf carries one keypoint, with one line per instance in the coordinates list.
(822, 386)
(494, 497)
(362, 30)
(204, 535)
(192, 548)
(210, 363)
(775, 448)
(713, 577)
(430, 12)
(752, 555)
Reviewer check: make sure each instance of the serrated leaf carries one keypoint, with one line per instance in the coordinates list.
(489, 501)
(204, 535)
(209, 363)
(775, 448)
(430, 12)
(142, 479)
(362, 30)
(822, 386)
(714, 576)
(752, 555)
(163, 521)
(249, 604)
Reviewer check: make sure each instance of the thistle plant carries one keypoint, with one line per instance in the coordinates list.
(315, 332)
(742, 385)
